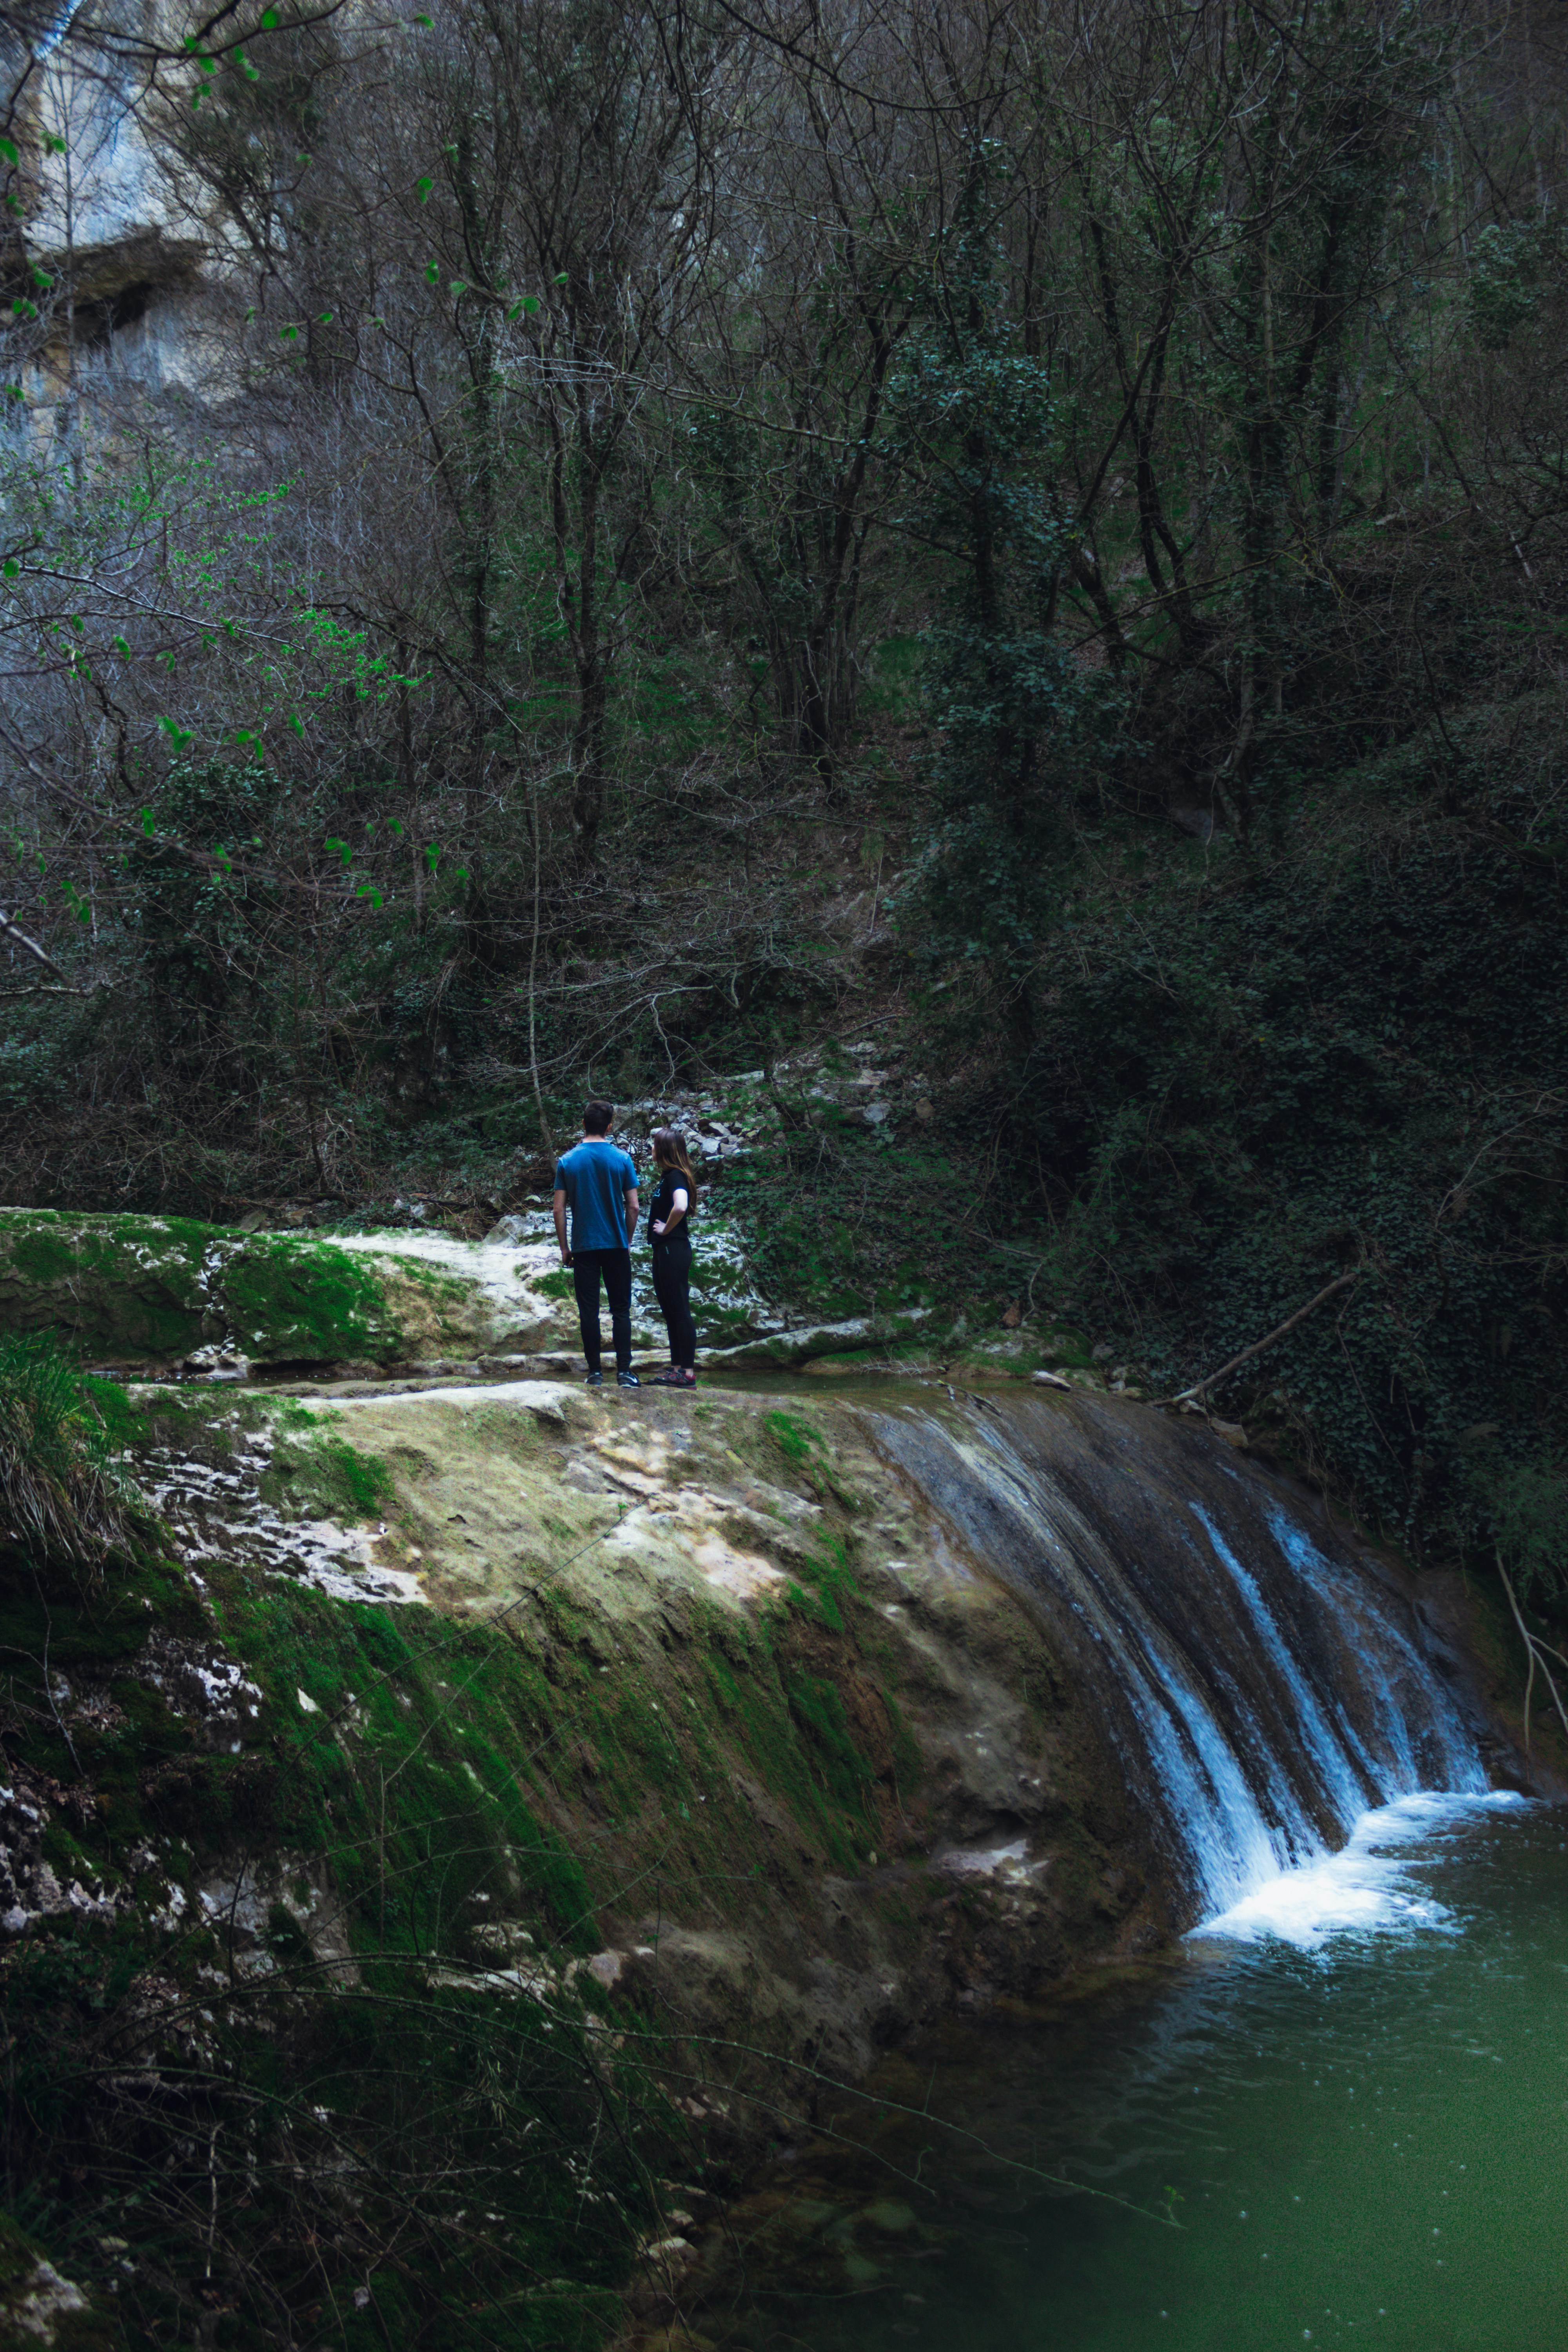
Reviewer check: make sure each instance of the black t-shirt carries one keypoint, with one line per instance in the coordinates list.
(670, 1181)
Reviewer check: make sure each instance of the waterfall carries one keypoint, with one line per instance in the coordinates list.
(1263, 1681)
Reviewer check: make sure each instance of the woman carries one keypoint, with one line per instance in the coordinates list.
(669, 1216)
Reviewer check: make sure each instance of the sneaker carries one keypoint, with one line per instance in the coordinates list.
(627, 1381)
(594, 1380)
(673, 1378)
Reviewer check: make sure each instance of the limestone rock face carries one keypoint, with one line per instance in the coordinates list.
(134, 258)
(169, 1292)
(760, 1672)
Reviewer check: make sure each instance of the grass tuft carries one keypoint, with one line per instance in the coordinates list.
(61, 1492)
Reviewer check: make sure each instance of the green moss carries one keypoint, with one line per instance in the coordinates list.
(307, 1301)
(318, 1474)
(831, 1580)
(558, 1285)
(44, 1257)
(796, 1440)
(121, 1286)
(816, 1705)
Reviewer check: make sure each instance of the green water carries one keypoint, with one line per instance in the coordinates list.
(1359, 2143)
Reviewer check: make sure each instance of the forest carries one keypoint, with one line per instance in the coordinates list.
(667, 539)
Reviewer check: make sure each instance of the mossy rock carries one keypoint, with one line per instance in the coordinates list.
(38, 2306)
(121, 1287)
(155, 1290)
(292, 1299)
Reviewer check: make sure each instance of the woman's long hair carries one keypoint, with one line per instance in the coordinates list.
(670, 1151)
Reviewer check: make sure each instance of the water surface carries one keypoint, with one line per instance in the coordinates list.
(1342, 2119)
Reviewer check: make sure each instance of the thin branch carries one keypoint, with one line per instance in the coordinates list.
(1533, 1650)
(1340, 1282)
(18, 938)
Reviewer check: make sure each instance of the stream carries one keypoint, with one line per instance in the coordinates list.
(1338, 2116)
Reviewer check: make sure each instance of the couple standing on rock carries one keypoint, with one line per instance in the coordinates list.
(598, 1182)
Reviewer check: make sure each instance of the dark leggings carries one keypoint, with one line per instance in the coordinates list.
(672, 1286)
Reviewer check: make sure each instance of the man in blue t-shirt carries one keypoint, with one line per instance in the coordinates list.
(598, 1183)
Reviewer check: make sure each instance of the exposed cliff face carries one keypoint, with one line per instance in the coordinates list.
(674, 1712)
(130, 265)
(745, 1646)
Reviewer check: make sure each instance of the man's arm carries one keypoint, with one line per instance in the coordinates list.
(559, 1206)
(631, 1213)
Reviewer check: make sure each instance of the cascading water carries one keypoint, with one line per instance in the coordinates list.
(1264, 1683)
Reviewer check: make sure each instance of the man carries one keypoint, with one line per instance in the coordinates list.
(599, 1184)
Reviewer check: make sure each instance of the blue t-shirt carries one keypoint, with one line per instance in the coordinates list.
(595, 1176)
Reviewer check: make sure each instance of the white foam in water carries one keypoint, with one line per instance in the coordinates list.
(1365, 1887)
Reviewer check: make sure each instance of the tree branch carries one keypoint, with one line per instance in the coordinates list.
(17, 936)
(1340, 1282)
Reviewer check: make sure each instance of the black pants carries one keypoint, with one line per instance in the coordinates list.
(672, 1284)
(615, 1266)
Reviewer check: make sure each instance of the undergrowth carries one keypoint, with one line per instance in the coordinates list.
(60, 1488)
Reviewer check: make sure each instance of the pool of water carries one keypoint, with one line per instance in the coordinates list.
(1337, 2117)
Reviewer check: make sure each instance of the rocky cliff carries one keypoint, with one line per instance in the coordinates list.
(488, 1707)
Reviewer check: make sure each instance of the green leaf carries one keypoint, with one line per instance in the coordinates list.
(269, 20)
(394, 825)
(432, 855)
(428, 23)
(562, 276)
(10, 567)
(459, 284)
(288, 334)
(8, 149)
(342, 848)
(325, 320)
(147, 822)
(297, 723)
(530, 303)
(53, 143)
(368, 890)
(432, 273)
(421, 188)
(122, 648)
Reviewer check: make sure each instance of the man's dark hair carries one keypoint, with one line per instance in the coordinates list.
(597, 1117)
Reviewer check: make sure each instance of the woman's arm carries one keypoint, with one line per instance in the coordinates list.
(677, 1210)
